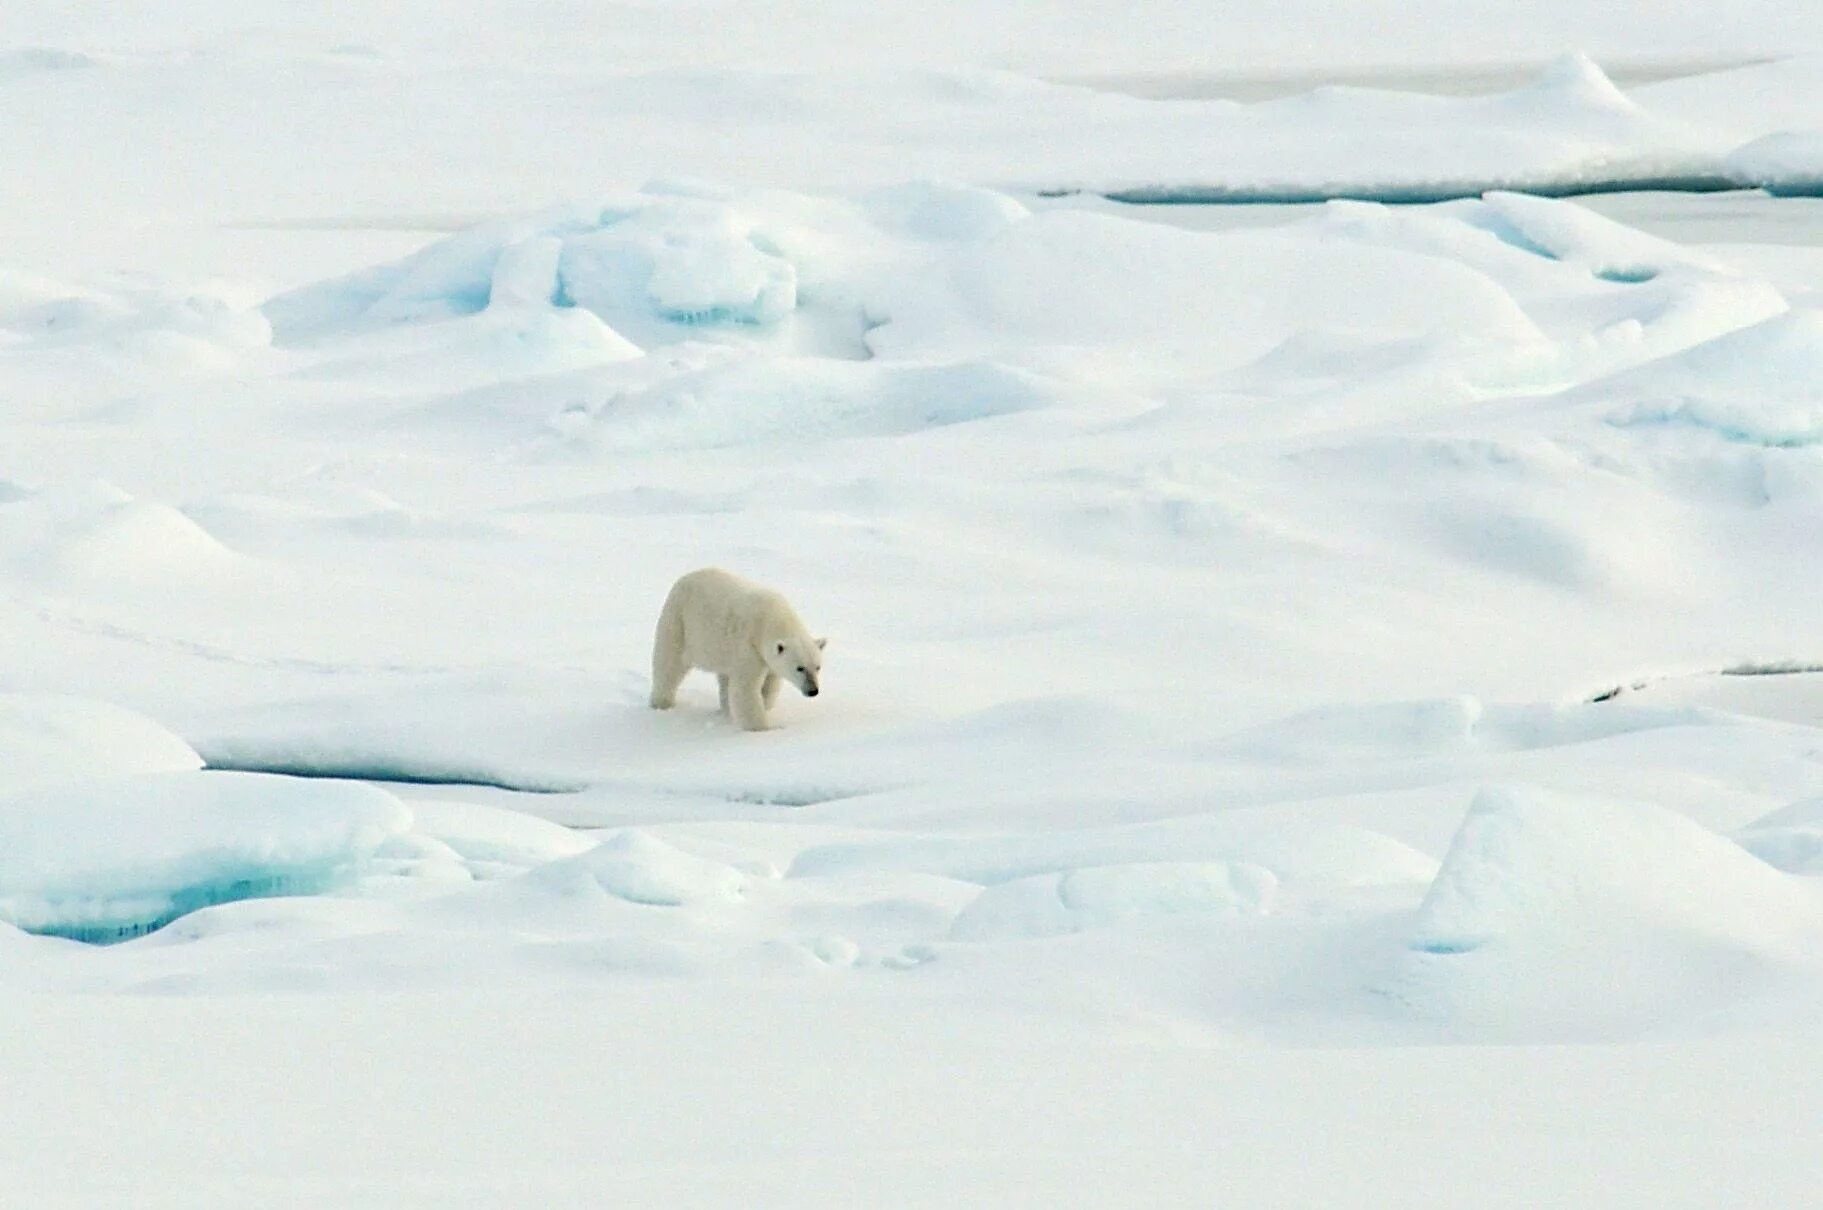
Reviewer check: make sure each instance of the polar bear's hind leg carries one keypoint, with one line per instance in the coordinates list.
(668, 663)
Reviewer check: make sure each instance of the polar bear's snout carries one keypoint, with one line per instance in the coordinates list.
(803, 675)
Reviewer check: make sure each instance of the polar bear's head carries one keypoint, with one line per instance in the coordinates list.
(798, 659)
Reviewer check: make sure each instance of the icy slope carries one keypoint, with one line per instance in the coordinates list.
(49, 739)
(1579, 918)
(110, 859)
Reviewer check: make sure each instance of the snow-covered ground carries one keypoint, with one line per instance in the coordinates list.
(1322, 701)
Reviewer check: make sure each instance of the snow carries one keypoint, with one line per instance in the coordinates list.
(53, 738)
(1609, 250)
(1790, 838)
(1303, 858)
(1754, 386)
(849, 127)
(1786, 162)
(112, 858)
(478, 833)
(639, 868)
(1293, 668)
(1102, 896)
(1575, 918)
(94, 531)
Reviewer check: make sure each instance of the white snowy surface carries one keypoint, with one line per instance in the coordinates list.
(52, 738)
(114, 857)
(1292, 669)
(381, 137)
(1583, 918)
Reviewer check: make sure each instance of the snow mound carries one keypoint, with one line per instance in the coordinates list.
(934, 211)
(496, 837)
(1574, 235)
(637, 867)
(1556, 916)
(684, 260)
(93, 532)
(1786, 163)
(1573, 80)
(651, 265)
(65, 345)
(30, 304)
(960, 287)
(1609, 298)
(45, 738)
(106, 860)
(1069, 281)
(1389, 728)
(414, 855)
(451, 277)
(737, 399)
(1790, 838)
(1103, 896)
(1760, 385)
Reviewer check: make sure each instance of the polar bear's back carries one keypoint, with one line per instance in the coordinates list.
(712, 589)
(716, 584)
(721, 614)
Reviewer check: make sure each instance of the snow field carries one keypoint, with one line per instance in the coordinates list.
(1221, 748)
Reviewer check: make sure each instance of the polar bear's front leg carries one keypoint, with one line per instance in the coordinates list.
(769, 690)
(721, 681)
(744, 696)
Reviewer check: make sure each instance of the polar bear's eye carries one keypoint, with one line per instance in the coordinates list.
(800, 667)
(781, 649)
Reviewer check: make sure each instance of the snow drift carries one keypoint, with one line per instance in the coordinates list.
(107, 860)
(1562, 917)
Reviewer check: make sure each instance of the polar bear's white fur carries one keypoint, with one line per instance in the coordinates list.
(748, 635)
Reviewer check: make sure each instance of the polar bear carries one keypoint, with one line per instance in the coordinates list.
(748, 635)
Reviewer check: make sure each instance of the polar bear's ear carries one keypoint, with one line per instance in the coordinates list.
(822, 643)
